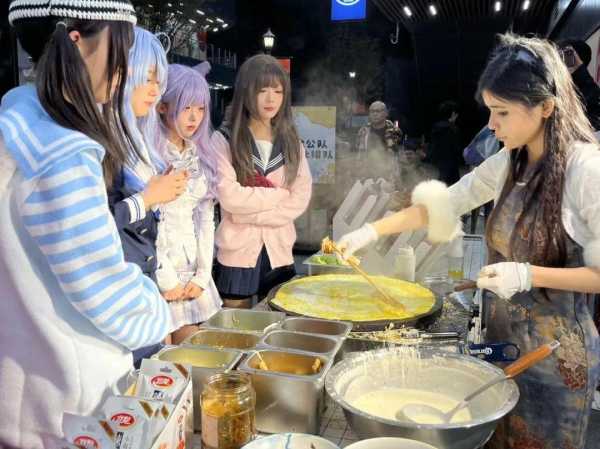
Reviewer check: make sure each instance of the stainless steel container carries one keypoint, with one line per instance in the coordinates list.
(315, 269)
(205, 362)
(289, 394)
(316, 326)
(223, 339)
(300, 341)
(255, 321)
(453, 375)
(443, 341)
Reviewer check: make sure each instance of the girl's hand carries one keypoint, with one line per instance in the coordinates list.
(165, 188)
(175, 294)
(192, 290)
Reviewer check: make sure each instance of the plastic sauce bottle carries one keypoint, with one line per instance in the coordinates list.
(455, 258)
(405, 264)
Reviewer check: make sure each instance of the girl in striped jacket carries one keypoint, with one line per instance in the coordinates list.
(72, 308)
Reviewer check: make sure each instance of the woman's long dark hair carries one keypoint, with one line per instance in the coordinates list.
(256, 73)
(64, 85)
(530, 71)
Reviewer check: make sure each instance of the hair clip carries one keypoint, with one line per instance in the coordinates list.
(164, 40)
(525, 56)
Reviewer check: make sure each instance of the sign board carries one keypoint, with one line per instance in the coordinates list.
(286, 63)
(316, 127)
(348, 9)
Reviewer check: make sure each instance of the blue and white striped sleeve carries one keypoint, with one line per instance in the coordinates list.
(67, 215)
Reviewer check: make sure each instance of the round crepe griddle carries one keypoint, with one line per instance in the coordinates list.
(418, 320)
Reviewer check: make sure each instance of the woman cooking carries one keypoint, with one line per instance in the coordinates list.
(543, 237)
(72, 308)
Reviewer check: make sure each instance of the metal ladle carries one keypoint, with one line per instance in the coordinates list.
(416, 412)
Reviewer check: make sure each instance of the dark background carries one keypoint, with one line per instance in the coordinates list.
(435, 59)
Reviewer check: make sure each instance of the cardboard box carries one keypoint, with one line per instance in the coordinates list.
(179, 429)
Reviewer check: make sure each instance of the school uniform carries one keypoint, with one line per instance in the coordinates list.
(256, 234)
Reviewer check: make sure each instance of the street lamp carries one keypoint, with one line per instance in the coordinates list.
(268, 41)
(352, 75)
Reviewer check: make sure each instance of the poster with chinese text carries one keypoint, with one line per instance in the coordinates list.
(316, 127)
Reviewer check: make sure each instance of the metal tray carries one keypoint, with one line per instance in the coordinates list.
(255, 321)
(223, 339)
(299, 341)
(333, 328)
(205, 362)
(290, 396)
(315, 269)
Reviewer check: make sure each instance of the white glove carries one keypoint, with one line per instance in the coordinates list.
(505, 278)
(355, 240)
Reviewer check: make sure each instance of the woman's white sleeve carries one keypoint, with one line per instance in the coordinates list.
(479, 185)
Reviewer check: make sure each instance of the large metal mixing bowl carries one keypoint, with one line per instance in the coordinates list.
(453, 375)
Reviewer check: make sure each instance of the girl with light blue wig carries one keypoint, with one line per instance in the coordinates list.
(186, 228)
(146, 82)
(138, 189)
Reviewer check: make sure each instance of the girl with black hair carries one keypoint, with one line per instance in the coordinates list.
(72, 308)
(264, 184)
(543, 237)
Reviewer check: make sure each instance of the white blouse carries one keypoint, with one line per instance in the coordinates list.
(581, 195)
(265, 148)
(185, 241)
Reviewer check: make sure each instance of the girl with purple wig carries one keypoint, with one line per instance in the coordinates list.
(186, 227)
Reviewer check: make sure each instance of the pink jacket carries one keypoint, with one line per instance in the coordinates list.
(255, 216)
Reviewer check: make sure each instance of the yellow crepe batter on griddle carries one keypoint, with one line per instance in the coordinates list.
(350, 297)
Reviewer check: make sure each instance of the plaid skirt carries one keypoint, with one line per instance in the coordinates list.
(239, 283)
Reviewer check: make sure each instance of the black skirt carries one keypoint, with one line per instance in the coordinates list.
(237, 282)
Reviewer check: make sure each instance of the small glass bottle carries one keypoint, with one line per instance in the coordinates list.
(228, 411)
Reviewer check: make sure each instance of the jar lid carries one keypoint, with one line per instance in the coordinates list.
(229, 383)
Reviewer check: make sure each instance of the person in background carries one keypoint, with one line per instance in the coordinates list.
(577, 55)
(380, 135)
(543, 237)
(264, 184)
(483, 145)
(377, 145)
(186, 228)
(445, 148)
(74, 308)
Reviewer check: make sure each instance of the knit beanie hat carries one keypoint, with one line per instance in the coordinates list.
(105, 10)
